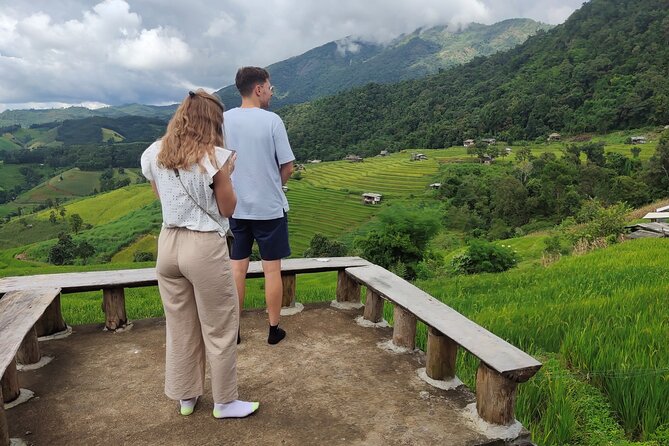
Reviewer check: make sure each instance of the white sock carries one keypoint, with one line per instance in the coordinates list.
(187, 406)
(235, 409)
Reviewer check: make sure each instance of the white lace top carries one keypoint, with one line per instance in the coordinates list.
(179, 210)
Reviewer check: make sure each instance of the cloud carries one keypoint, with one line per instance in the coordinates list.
(151, 51)
(347, 45)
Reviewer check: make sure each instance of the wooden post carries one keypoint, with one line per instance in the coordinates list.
(29, 351)
(442, 352)
(495, 396)
(4, 428)
(10, 383)
(348, 290)
(404, 328)
(52, 320)
(113, 304)
(288, 299)
(373, 307)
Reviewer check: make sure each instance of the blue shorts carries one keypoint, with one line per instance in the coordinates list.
(271, 236)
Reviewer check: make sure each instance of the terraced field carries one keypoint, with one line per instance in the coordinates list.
(109, 206)
(332, 213)
(74, 183)
(394, 176)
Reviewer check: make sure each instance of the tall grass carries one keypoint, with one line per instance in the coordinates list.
(606, 313)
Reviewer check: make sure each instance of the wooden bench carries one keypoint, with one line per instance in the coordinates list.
(113, 284)
(502, 365)
(20, 313)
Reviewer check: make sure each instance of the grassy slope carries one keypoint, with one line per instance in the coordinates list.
(604, 313)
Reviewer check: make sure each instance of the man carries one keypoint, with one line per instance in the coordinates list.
(264, 164)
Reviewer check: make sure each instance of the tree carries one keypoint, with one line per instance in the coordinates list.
(321, 246)
(657, 174)
(524, 154)
(635, 151)
(76, 222)
(401, 241)
(62, 213)
(63, 251)
(52, 217)
(84, 250)
(594, 152)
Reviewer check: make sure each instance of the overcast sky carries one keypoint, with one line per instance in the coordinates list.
(55, 53)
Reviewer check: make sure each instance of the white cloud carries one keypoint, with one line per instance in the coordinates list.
(151, 51)
(224, 23)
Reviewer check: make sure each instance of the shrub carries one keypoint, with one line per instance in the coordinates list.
(401, 241)
(484, 257)
(143, 256)
(63, 252)
(599, 222)
(321, 246)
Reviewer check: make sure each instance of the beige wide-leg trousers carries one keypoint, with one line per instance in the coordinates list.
(201, 312)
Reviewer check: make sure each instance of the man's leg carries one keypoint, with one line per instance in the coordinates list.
(273, 289)
(239, 269)
(272, 238)
(239, 259)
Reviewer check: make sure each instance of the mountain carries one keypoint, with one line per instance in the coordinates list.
(92, 130)
(346, 63)
(605, 68)
(30, 117)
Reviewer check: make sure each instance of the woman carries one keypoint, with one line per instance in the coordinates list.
(189, 171)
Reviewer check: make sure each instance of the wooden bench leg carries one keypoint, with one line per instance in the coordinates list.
(495, 396)
(10, 383)
(288, 299)
(52, 320)
(29, 352)
(373, 307)
(442, 352)
(348, 290)
(404, 328)
(113, 304)
(4, 428)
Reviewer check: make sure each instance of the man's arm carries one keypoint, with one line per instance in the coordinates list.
(286, 171)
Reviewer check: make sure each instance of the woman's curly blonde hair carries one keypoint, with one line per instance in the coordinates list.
(193, 132)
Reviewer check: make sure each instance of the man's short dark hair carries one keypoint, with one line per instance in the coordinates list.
(248, 77)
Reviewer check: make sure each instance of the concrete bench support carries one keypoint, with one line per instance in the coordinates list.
(10, 383)
(29, 352)
(495, 396)
(348, 290)
(113, 305)
(373, 307)
(503, 365)
(442, 353)
(288, 299)
(52, 320)
(404, 328)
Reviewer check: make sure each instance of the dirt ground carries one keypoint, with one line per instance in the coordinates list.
(327, 383)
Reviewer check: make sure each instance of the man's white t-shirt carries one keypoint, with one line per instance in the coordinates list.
(260, 139)
(179, 210)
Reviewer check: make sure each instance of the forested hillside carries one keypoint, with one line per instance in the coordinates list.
(605, 68)
(30, 118)
(346, 63)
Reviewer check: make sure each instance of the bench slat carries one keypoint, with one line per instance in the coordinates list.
(19, 310)
(130, 278)
(501, 356)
